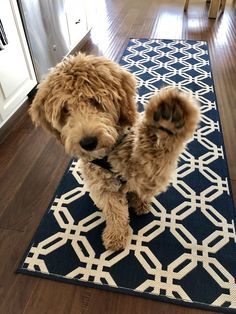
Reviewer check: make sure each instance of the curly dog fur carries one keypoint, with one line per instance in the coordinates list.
(88, 102)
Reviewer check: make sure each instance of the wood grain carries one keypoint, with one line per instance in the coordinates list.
(32, 163)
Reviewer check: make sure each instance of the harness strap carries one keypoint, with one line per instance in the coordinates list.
(105, 164)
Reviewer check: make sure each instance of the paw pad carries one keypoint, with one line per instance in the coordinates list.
(171, 113)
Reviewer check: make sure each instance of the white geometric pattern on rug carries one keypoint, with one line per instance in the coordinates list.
(199, 196)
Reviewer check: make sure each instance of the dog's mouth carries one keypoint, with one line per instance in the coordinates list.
(98, 154)
(95, 154)
(90, 147)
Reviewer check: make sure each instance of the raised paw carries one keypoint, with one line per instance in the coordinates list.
(115, 239)
(171, 112)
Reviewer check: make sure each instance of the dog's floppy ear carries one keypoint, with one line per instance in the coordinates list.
(128, 110)
(38, 112)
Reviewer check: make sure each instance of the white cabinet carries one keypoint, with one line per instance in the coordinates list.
(78, 25)
(17, 76)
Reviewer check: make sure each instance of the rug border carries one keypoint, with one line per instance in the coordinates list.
(123, 290)
(126, 291)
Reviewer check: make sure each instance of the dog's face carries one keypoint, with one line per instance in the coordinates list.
(88, 129)
(86, 101)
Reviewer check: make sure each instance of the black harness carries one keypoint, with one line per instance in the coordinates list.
(105, 164)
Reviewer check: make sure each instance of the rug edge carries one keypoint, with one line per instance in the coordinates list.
(126, 291)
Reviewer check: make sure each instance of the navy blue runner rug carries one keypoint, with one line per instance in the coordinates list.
(184, 250)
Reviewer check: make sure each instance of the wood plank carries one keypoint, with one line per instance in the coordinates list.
(41, 180)
(116, 303)
(21, 290)
(10, 145)
(214, 8)
(10, 250)
(49, 295)
(13, 297)
(21, 218)
(233, 187)
(20, 165)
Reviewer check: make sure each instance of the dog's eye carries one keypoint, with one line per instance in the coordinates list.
(65, 111)
(64, 114)
(94, 102)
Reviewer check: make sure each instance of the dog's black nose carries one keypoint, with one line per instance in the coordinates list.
(89, 143)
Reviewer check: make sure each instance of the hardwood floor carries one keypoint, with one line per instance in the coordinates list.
(32, 162)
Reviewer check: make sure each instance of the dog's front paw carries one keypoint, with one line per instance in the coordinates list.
(172, 112)
(115, 239)
(140, 207)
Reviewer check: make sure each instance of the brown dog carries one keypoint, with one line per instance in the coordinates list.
(88, 102)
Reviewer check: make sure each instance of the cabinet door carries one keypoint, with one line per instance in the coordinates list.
(77, 20)
(17, 77)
